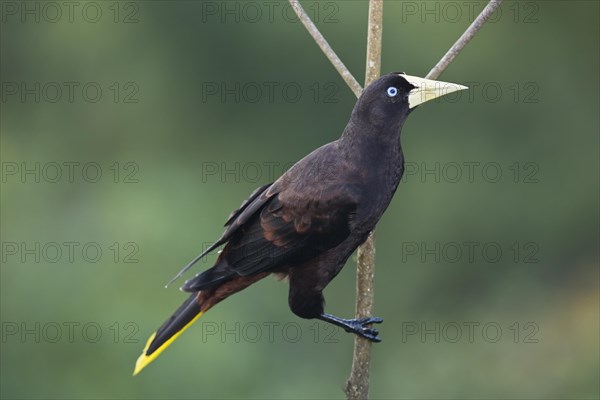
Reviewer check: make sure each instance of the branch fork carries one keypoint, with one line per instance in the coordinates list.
(357, 386)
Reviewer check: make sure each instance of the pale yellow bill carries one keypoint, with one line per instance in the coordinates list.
(428, 89)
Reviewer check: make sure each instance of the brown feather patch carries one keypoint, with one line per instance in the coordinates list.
(208, 298)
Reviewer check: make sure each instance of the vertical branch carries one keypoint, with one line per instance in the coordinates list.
(357, 386)
(375, 28)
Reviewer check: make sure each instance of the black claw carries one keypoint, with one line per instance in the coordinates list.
(367, 332)
(372, 331)
(370, 320)
(357, 326)
(375, 339)
(369, 335)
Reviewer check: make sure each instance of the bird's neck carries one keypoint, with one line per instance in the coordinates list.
(379, 162)
(380, 144)
(379, 155)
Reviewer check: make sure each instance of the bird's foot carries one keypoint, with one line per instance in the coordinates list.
(361, 328)
(357, 326)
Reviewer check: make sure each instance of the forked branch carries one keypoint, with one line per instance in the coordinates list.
(326, 48)
(357, 386)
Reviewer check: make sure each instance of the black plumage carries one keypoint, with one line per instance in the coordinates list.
(307, 223)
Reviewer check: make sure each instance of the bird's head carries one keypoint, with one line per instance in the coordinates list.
(387, 101)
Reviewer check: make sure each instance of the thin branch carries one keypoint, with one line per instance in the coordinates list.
(464, 39)
(375, 28)
(326, 48)
(357, 386)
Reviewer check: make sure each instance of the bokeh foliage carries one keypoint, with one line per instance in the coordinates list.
(543, 56)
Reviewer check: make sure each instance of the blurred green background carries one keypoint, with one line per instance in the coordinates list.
(487, 258)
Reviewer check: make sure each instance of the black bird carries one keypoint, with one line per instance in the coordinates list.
(306, 224)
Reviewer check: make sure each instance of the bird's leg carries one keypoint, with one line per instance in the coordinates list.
(357, 326)
(306, 299)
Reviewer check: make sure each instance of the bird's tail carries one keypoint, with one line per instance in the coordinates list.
(185, 316)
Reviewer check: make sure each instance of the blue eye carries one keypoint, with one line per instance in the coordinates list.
(392, 91)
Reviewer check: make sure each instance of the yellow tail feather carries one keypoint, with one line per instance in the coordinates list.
(143, 360)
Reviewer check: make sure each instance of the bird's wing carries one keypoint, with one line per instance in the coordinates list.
(294, 225)
(239, 217)
(308, 210)
(248, 202)
(288, 228)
